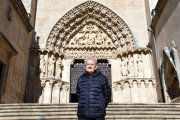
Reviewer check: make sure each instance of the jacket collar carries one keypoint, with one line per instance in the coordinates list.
(96, 73)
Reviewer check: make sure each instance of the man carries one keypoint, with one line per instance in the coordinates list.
(93, 93)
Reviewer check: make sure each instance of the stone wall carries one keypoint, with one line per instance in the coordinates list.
(166, 30)
(14, 51)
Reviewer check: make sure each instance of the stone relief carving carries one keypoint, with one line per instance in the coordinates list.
(139, 66)
(93, 28)
(90, 53)
(59, 68)
(51, 62)
(123, 67)
(130, 66)
(42, 66)
(91, 35)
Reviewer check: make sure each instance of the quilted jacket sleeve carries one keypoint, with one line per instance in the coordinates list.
(77, 90)
(107, 92)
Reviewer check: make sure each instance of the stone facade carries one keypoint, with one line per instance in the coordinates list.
(35, 67)
(91, 30)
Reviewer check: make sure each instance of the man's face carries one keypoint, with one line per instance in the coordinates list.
(91, 67)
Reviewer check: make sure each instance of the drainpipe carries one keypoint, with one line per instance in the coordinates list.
(154, 40)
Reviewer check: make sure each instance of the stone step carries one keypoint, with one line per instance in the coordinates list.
(68, 111)
(122, 117)
(74, 113)
(47, 106)
(75, 110)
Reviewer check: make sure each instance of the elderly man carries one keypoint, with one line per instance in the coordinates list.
(93, 93)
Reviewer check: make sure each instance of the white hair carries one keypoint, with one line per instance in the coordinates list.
(95, 61)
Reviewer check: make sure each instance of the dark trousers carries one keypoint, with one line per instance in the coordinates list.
(91, 118)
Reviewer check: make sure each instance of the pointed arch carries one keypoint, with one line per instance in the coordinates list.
(90, 12)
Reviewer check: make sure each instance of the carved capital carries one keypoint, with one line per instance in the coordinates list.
(139, 85)
(59, 85)
(43, 84)
(146, 85)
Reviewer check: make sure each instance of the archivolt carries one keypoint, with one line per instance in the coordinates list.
(90, 12)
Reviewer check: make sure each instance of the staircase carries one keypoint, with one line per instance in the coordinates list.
(115, 111)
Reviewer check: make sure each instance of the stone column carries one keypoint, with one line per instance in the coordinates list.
(115, 72)
(27, 89)
(152, 73)
(42, 96)
(58, 95)
(50, 92)
(34, 93)
(146, 86)
(143, 64)
(121, 94)
(139, 87)
(115, 100)
(66, 72)
(155, 93)
(131, 88)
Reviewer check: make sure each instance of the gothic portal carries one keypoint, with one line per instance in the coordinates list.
(90, 30)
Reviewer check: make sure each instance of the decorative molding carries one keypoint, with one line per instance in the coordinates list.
(158, 12)
(22, 13)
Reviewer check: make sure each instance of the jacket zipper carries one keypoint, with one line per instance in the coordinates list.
(88, 95)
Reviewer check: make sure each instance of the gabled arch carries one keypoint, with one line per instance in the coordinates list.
(95, 13)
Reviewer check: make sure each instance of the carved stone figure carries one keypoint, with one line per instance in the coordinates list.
(90, 39)
(123, 42)
(99, 39)
(42, 67)
(59, 68)
(130, 66)
(123, 67)
(32, 70)
(51, 66)
(129, 47)
(139, 66)
(58, 44)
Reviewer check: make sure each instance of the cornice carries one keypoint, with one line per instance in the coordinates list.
(158, 12)
(22, 13)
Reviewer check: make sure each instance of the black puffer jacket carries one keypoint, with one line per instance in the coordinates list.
(94, 94)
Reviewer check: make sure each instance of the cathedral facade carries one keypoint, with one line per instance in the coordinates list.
(46, 43)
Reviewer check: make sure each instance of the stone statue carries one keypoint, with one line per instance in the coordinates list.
(90, 39)
(59, 68)
(58, 44)
(51, 66)
(76, 40)
(139, 66)
(32, 69)
(123, 67)
(123, 44)
(130, 66)
(42, 67)
(99, 39)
